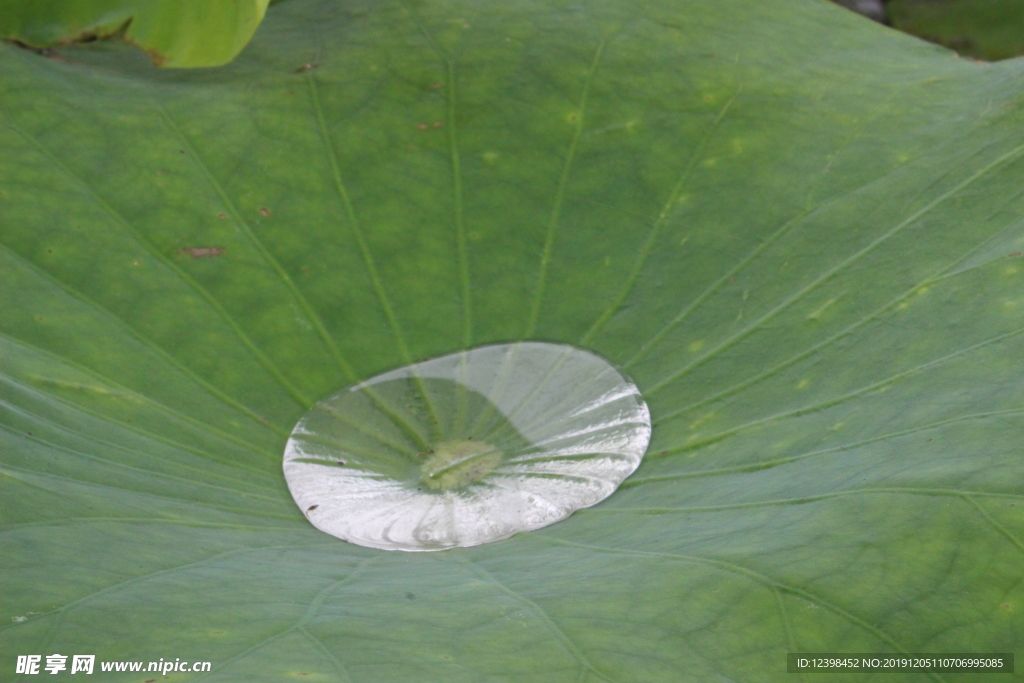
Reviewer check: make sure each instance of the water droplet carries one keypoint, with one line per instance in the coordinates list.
(468, 448)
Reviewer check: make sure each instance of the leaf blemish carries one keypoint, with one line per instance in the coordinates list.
(47, 52)
(264, 211)
(203, 252)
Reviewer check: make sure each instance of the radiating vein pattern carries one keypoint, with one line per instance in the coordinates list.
(801, 234)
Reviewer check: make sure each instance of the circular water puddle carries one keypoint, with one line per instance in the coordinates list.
(468, 448)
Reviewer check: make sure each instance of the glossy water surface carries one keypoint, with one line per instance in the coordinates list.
(467, 448)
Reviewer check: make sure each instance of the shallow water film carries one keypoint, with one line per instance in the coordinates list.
(468, 448)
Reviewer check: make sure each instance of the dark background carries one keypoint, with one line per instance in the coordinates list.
(989, 30)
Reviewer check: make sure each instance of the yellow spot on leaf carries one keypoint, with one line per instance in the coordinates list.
(701, 420)
(817, 314)
(94, 388)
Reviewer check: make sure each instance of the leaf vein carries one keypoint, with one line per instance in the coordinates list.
(839, 267)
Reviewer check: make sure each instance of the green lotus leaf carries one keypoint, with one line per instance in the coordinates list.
(174, 33)
(799, 233)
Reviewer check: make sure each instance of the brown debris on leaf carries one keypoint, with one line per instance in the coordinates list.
(47, 52)
(203, 252)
